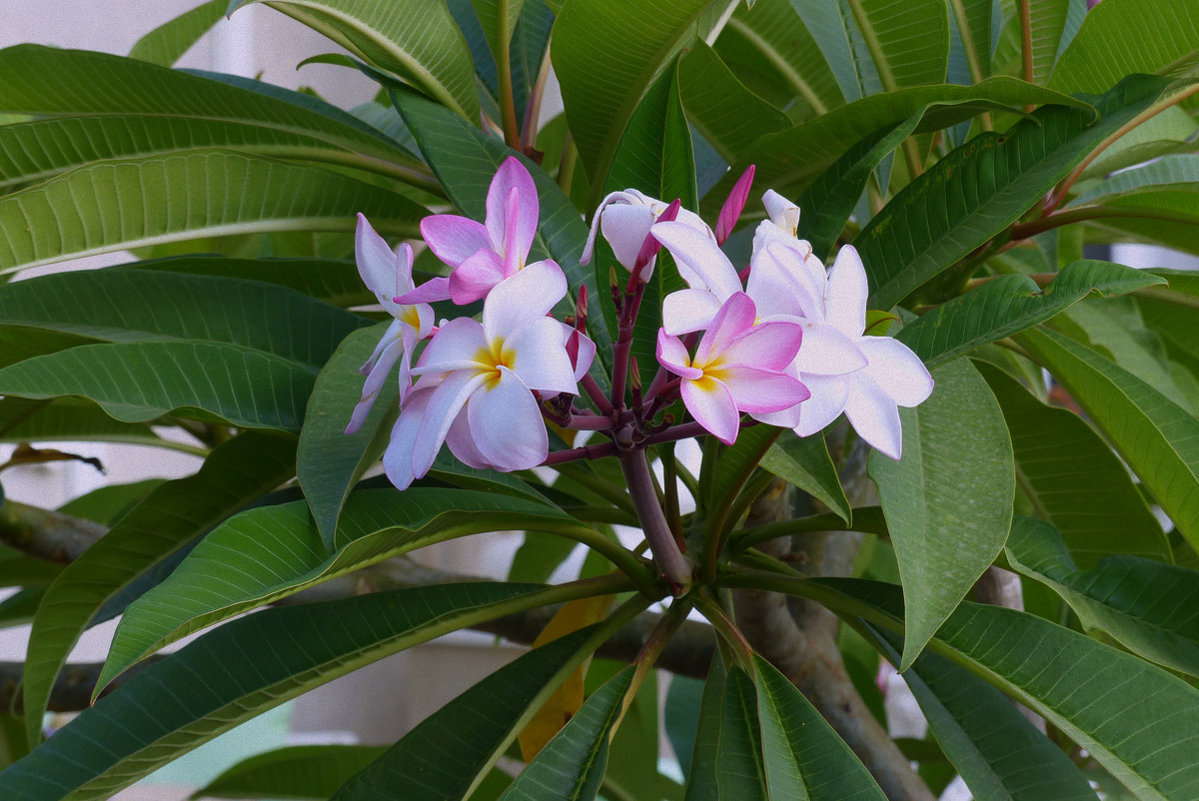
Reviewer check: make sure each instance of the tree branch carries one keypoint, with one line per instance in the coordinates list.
(46, 535)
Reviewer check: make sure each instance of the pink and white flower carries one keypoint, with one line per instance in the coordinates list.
(388, 273)
(483, 254)
(477, 381)
(738, 367)
(625, 219)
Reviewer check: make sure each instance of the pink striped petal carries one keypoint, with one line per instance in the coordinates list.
(711, 405)
(767, 346)
(475, 277)
(386, 359)
(512, 226)
(454, 239)
(584, 355)
(760, 391)
(734, 319)
(734, 204)
(529, 294)
(674, 357)
(506, 425)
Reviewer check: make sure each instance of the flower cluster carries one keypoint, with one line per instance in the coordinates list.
(782, 342)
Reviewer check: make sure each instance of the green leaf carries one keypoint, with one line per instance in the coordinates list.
(166, 43)
(1158, 439)
(1166, 36)
(417, 41)
(572, 764)
(948, 516)
(109, 503)
(334, 282)
(173, 515)
(780, 58)
(130, 305)
(794, 156)
(831, 198)
(19, 570)
(1168, 217)
(117, 205)
(727, 761)
(1074, 480)
(1008, 304)
(999, 753)
(1167, 133)
(1145, 605)
(264, 554)
(328, 461)
(1047, 24)
(1177, 171)
(908, 42)
(982, 187)
(1135, 719)
(680, 716)
(804, 462)
(839, 39)
(139, 381)
(69, 419)
(728, 115)
(489, 12)
(237, 671)
(974, 31)
(98, 106)
(606, 54)
(804, 758)
(300, 771)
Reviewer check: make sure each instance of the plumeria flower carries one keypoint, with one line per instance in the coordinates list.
(483, 254)
(738, 367)
(625, 218)
(476, 383)
(388, 273)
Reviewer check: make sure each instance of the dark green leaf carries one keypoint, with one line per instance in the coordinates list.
(948, 516)
(335, 282)
(727, 762)
(805, 463)
(301, 772)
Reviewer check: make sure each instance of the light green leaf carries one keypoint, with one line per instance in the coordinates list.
(948, 516)
(172, 516)
(490, 13)
(572, 764)
(308, 772)
(908, 42)
(804, 462)
(1149, 36)
(238, 671)
(1074, 480)
(117, 205)
(1008, 304)
(1158, 439)
(1167, 133)
(805, 759)
(972, 20)
(837, 35)
(606, 54)
(264, 554)
(328, 461)
(999, 753)
(983, 187)
(1147, 606)
(1177, 171)
(130, 305)
(721, 107)
(166, 43)
(417, 41)
(140, 381)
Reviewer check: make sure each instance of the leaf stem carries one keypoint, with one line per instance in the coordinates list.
(503, 59)
(1096, 212)
(667, 556)
(724, 626)
(1026, 62)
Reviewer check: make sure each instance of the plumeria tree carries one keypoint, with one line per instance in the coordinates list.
(799, 319)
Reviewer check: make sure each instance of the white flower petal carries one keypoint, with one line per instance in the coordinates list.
(824, 405)
(701, 263)
(529, 294)
(688, 310)
(387, 358)
(445, 402)
(455, 346)
(827, 351)
(845, 296)
(711, 404)
(626, 227)
(462, 444)
(506, 425)
(786, 272)
(897, 370)
(873, 414)
(541, 360)
(397, 459)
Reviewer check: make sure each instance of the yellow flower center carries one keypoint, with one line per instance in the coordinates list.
(492, 358)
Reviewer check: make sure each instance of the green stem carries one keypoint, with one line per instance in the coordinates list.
(1026, 43)
(566, 167)
(868, 519)
(726, 629)
(1085, 213)
(503, 63)
(611, 550)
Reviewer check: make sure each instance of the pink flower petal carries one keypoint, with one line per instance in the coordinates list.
(397, 459)
(897, 370)
(512, 226)
(701, 263)
(734, 204)
(475, 277)
(506, 425)
(674, 357)
(430, 291)
(529, 294)
(767, 346)
(760, 391)
(711, 404)
(873, 414)
(388, 356)
(462, 444)
(454, 239)
(845, 297)
(689, 310)
(734, 319)
(585, 356)
(540, 358)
